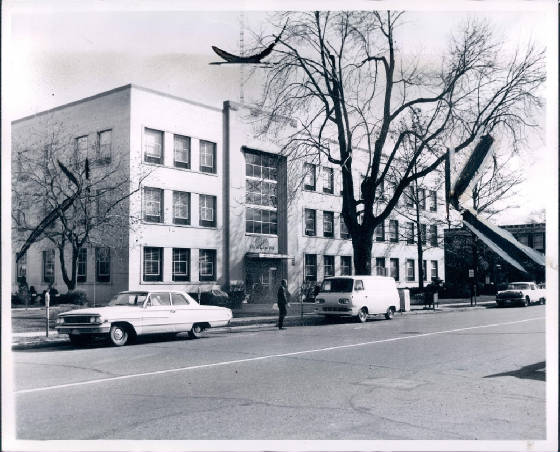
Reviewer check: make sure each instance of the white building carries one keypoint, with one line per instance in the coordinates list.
(216, 204)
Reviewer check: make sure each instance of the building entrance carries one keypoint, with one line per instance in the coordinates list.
(263, 277)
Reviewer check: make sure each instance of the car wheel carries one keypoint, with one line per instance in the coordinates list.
(196, 331)
(118, 335)
(77, 340)
(363, 315)
(389, 314)
(526, 302)
(541, 301)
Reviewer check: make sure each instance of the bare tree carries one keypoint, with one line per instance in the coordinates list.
(71, 204)
(348, 86)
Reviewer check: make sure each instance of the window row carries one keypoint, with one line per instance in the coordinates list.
(328, 262)
(102, 265)
(409, 233)
(310, 224)
(153, 258)
(154, 150)
(153, 207)
(103, 147)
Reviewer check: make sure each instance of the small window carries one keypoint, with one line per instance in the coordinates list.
(310, 222)
(344, 233)
(433, 235)
(409, 197)
(81, 147)
(310, 180)
(181, 264)
(82, 265)
(207, 265)
(328, 180)
(104, 147)
(181, 207)
(345, 265)
(207, 157)
(48, 266)
(423, 236)
(310, 267)
(380, 232)
(153, 264)
(434, 270)
(181, 151)
(22, 267)
(207, 208)
(380, 269)
(433, 200)
(153, 146)
(422, 198)
(103, 264)
(178, 299)
(394, 264)
(159, 299)
(328, 265)
(393, 231)
(358, 285)
(410, 274)
(153, 205)
(410, 233)
(328, 224)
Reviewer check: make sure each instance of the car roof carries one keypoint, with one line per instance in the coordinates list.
(522, 282)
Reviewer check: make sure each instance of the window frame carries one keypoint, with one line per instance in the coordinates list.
(213, 261)
(102, 252)
(410, 265)
(308, 265)
(203, 207)
(433, 199)
(346, 260)
(176, 198)
(310, 232)
(158, 252)
(101, 157)
(203, 151)
(310, 172)
(432, 277)
(328, 179)
(182, 163)
(396, 273)
(433, 235)
(81, 265)
(151, 157)
(146, 216)
(179, 275)
(394, 238)
(330, 265)
(380, 260)
(380, 228)
(251, 221)
(326, 215)
(48, 264)
(410, 239)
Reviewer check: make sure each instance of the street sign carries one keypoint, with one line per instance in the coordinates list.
(471, 273)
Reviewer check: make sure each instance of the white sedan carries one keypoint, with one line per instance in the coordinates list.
(134, 313)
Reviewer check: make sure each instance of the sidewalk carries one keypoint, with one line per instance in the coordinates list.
(249, 315)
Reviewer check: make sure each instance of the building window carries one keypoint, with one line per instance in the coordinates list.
(538, 241)
(82, 265)
(207, 204)
(260, 221)
(380, 232)
(309, 183)
(433, 235)
(181, 207)
(345, 265)
(153, 205)
(380, 269)
(410, 276)
(394, 268)
(410, 233)
(181, 264)
(523, 238)
(311, 267)
(328, 180)
(81, 147)
(424, 271)
(434, 270)
(22, 267)
(261, 193)
(261, 165)
(433, 200)
(344, 234)
(207, 265)
(328, 265)
(48, 266)
(422, 198)
(423, 234)
(102, 264)
(182, 151)
(153, 260)
(153, 146)
(310, 222)
(393, 231)
(105, 139)
(409, 196)
(207, 157)
(328, 224)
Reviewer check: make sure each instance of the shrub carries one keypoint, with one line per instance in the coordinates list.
(17, 300)
(237, 293)
(74, 297)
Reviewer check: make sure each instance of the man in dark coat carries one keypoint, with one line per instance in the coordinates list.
(282, 303)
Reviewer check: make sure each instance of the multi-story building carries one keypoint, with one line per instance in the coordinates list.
(531, 234)
(212, 203)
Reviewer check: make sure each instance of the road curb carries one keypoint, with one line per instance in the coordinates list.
(26, 343)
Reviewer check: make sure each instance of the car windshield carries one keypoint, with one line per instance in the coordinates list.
(129, 299)
(519, 286)
(337, 285)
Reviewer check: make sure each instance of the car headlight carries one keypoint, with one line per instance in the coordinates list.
(95, 319)
(59, 320)
(320, 300)
(344, 301)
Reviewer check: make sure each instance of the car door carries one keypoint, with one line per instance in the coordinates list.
(158, 314)
(185, 313)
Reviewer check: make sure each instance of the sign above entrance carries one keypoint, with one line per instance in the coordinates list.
(267, 256)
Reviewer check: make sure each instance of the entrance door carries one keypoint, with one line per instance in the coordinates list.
(262, 279)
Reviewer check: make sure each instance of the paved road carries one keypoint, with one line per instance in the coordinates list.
(453, 376)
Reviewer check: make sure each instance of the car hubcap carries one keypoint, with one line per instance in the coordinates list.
(118, 334)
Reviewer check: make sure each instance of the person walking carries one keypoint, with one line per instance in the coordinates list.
(282, 303)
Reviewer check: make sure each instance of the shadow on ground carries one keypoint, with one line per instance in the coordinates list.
(532, 372)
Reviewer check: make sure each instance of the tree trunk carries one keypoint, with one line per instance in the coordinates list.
(70, 281)
(419, 244)
(361, 245)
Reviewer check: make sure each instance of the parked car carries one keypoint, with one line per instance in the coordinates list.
(523, 293)
(133, 313)
(358, 296)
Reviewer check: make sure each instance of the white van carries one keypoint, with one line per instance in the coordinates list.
(358, 296)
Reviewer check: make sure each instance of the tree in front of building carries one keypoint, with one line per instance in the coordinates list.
(346, 82)
(69, 193)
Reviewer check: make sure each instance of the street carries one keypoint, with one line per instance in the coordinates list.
(454, 376)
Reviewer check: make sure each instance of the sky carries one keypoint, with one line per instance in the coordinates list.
(62, 51)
